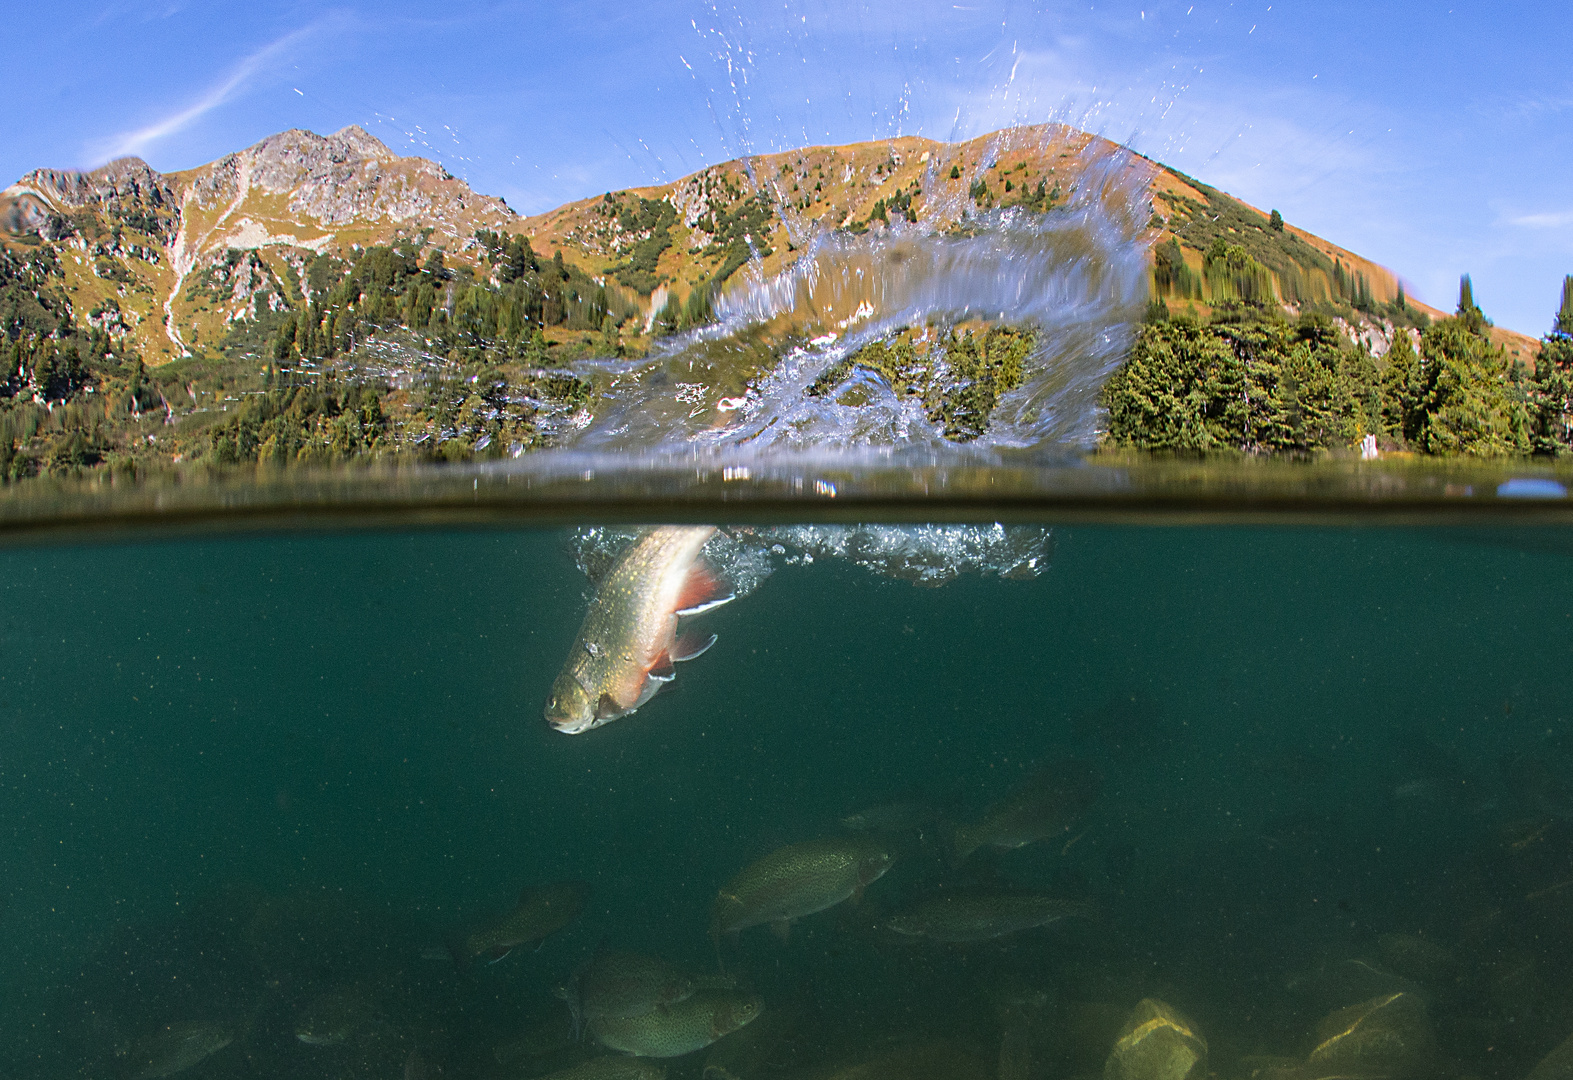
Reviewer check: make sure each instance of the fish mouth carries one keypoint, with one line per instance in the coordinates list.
(572, 725)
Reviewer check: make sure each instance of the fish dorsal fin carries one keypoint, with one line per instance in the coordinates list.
(691, 645)
(606, 708)
(662, 670)
(702, 590)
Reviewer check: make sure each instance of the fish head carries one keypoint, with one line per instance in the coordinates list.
(738, 1011)
(569, 708)
(874, 864)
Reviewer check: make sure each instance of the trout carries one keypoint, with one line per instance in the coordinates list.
(1045, 806)
(960, 917)
(629, 639)
(540, 912)
(620, 985)
(673, 1030)
(799, 880)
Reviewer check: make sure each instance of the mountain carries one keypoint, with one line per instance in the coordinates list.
(185, 255)
(172, 262)
(314, 299)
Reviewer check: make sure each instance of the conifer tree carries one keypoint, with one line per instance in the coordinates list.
(1276, 222)
(1564, 323)
(1469, 312)
(1553, 393)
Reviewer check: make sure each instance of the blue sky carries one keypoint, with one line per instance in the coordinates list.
(1436, 138)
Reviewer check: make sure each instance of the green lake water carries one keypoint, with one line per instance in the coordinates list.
(238, 773)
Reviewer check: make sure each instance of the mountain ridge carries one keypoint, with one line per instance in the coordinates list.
(296, 195)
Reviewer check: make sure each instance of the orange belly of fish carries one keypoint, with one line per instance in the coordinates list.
(630, 687)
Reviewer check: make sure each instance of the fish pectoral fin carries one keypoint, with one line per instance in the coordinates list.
(782, 928)
(857, 894)
(692, 645)
(662, 670)
(499, 953)
(607, 709)
(702, 590)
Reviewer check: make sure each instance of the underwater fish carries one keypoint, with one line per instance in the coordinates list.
(628, 641)
(334, 1017)
(625, 984)
(961, 917)
(175, 1048)
(682, 1028)
(541, 912)
(898, 816)
(1044, 806)
(799, 880)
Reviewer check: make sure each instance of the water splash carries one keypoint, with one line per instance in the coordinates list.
(929, 555)
(1077, 275)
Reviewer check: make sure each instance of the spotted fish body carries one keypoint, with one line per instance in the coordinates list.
(980, 916)
(541, 911)
(628, 642)
(681, 1028)
(623, 984)
(1044, 807)
(799, 880)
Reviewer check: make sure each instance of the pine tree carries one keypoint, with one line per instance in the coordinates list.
(1564, 323)
(1276, 222)
(1469, 312)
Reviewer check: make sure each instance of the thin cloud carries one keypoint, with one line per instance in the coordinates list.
(1544, 221)
(130, 143)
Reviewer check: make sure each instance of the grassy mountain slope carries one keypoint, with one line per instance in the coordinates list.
(147, 315)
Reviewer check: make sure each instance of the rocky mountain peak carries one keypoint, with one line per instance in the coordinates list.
(128, 179)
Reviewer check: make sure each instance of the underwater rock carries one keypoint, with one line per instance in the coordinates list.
(1157, 1044)
(1557, 1065)
(1085, 1030)
(1418, 958)
(1389, 1034)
